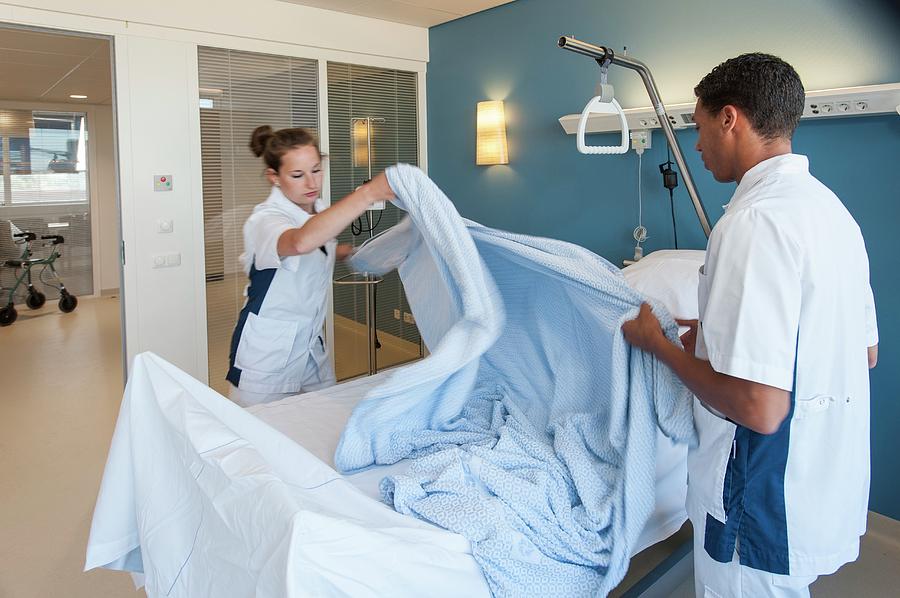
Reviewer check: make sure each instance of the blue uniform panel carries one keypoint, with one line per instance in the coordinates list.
(753, 498)
(260, 281)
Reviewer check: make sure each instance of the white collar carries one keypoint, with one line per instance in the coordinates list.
(783, 163)
(278, 198)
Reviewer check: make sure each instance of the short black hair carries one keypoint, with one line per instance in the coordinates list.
(766, 88)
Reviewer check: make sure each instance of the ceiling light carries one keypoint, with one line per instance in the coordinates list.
(76, 96)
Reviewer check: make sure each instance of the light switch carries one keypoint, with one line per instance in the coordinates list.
(166, 260)
(165, 226)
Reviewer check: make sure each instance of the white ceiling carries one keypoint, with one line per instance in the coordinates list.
(48, 67)
(423, 13)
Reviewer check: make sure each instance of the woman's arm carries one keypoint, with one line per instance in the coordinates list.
(344, 251)
(328, 224)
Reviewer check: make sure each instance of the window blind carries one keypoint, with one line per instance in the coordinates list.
(240, 91)
(389, 98)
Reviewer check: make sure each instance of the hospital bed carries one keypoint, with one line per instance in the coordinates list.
(201, 497)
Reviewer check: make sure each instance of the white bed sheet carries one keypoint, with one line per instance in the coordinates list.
(206, 499)
(204, 495)
(315, 421)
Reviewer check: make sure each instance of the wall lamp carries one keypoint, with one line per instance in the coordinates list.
(490, 145)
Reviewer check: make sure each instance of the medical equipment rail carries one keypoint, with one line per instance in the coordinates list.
(369, 280)
(605, 55)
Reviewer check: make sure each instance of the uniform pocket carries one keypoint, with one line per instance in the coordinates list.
(702, 292)
(708, 463)
(265, 344)
(702, 298)
(813, 406)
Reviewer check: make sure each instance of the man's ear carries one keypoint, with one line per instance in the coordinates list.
(728, 117)
(271, 175)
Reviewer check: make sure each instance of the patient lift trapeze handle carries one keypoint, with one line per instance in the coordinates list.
(605, 55)
(598, 105)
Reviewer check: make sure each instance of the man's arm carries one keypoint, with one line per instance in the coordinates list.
(873, 356)
(760, 407)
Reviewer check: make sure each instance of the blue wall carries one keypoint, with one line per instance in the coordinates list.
(549, 189)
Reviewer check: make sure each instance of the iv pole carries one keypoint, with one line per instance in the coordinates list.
(603, 54)
(364, 278)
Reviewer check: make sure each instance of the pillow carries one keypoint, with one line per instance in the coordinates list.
(671, 277)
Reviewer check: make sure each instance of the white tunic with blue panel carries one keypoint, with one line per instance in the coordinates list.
(277, 346)
(785, 300)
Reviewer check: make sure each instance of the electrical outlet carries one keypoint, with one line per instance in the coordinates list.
(826, 108)
(862, 105)
(396, 314)
(408, 318)
(842, 106)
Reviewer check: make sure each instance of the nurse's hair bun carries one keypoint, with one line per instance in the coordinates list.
(272, 145)
(259, 138)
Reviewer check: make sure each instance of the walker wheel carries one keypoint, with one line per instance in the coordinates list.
(35, 300)
(67, 302)
(8, 315)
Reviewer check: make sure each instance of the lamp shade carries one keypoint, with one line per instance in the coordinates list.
(360, 143)
(490, 145)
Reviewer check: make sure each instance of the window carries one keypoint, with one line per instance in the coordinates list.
(44, 158)
(388, 98)
(46, 191)
(240, 91)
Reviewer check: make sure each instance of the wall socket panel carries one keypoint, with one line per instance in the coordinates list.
(848, 107)
(826, 103)
(408, 318)
(396, 314)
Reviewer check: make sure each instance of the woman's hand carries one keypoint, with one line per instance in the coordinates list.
(378, 189)
(344, 251)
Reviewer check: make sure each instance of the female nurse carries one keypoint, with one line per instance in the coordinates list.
(277, 349)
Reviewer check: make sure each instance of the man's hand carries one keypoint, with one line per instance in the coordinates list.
(689, 338)
(644, 332)
(756, 406)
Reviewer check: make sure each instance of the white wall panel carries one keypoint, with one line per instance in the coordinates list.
(163, 132)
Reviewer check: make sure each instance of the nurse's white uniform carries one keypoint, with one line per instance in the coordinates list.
(784, 300)
(278, 347)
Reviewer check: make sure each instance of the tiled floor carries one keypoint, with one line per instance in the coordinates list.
(60, 389)
(59, 398)
(876, 574)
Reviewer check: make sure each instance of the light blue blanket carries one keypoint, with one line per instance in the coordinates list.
(532, 423)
